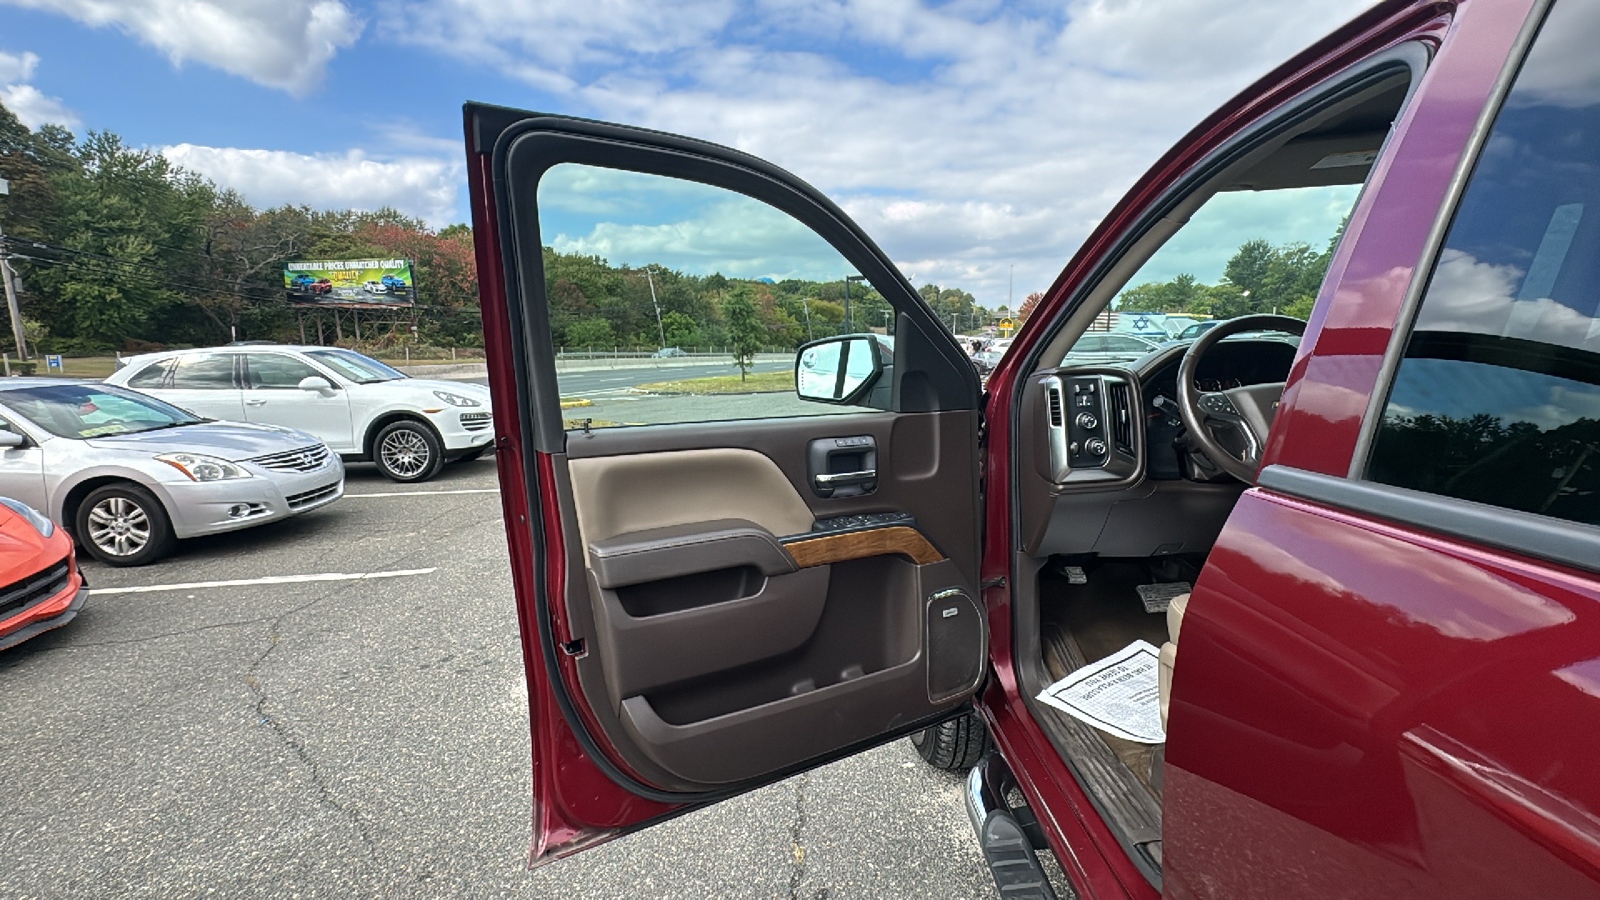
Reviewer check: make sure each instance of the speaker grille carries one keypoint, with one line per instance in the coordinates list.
(955, 644)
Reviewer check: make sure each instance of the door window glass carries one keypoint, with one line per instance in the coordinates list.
(673, 301)
(1497, 397)
(213, 372)
(276, 372)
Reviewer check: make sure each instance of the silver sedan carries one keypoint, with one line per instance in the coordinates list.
(128, 474)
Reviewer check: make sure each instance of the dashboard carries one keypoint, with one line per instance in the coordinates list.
(1115, 483)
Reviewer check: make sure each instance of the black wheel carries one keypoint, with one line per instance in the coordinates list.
(407, 451)
(123, 525)
(954, 745)
(472, 454)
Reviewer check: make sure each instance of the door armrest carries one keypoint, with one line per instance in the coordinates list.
(658, 553)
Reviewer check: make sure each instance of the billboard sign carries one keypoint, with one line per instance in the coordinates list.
(385, 281)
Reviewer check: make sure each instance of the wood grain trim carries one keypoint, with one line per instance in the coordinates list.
(897, 539)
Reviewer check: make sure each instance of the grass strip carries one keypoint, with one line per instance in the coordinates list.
(754, 383)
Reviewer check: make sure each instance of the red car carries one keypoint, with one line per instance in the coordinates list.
(1379, 540)
(42, 586)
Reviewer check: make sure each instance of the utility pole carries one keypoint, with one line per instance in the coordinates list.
(659, 327)
(806, 305)
(8, 281)
(1011, 280)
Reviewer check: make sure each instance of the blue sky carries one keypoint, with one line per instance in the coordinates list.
(968, 137)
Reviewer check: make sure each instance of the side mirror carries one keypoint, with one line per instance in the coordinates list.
(837, 370)
(316, 383)
(10, 440)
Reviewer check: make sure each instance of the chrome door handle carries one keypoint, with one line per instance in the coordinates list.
(847, 478)
(255, 403)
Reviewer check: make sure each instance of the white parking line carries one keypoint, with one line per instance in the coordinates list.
(425, 493)
(270, 579)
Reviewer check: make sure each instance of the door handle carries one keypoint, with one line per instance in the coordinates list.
(255, 403)
(839, 478)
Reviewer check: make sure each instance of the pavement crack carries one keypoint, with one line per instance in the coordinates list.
(319, 779)
(797, 847)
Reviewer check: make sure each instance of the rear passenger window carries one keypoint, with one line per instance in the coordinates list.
(204, 373)
(1497, 397)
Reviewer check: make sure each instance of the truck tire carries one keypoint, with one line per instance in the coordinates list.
(954, 746)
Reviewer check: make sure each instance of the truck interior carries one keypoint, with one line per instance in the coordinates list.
(1095, 527)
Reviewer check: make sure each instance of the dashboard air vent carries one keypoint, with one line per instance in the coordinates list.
(1055, 407)
(1121, 416)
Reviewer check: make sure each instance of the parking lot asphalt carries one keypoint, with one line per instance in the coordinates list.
(368, 736)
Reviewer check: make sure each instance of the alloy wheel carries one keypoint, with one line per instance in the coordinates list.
(405, 453)
(119, 526)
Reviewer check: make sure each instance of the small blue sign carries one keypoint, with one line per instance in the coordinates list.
(52, 361)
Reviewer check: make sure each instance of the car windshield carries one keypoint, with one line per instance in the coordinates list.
(82, 411)
(354, 366)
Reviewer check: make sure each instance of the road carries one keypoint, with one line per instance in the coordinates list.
(361, 737)
(601, 382)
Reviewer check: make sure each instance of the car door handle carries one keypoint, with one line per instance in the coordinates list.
(255, 403)
(839, 478)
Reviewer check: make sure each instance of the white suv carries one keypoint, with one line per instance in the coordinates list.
(359, 407)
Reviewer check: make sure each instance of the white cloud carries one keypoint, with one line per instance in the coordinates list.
(17, 69)
(32, 107)
(284, 44)
(975, 136)
(418, 186)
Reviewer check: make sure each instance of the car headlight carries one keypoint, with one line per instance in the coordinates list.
(38, 520)
(456, 399)
(203, 468)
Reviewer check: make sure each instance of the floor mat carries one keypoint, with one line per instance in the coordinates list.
(1086, 622)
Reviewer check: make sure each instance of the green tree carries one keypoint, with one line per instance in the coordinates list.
(681, 330)
(129, 224)
(588, 334)
(745, 329)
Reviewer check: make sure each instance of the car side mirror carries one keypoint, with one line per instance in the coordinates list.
(317, 383)
(838, 370)
(10, 440)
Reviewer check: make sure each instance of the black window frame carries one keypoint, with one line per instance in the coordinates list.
(931, 373)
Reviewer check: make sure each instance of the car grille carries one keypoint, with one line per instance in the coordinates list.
(475, 421)
(22, 594)
(305, 459)
(308, 498)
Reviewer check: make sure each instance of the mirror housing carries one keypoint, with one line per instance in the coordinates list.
(10, 440)
(839, 370)
(317, 383)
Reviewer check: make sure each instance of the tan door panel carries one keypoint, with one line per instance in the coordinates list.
(621, 494)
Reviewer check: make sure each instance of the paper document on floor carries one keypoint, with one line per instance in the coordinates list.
(1119, 695)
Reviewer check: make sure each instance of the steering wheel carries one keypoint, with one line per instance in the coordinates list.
(1246, 411)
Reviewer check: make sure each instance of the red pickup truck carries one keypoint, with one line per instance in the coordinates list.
(1379, 538)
